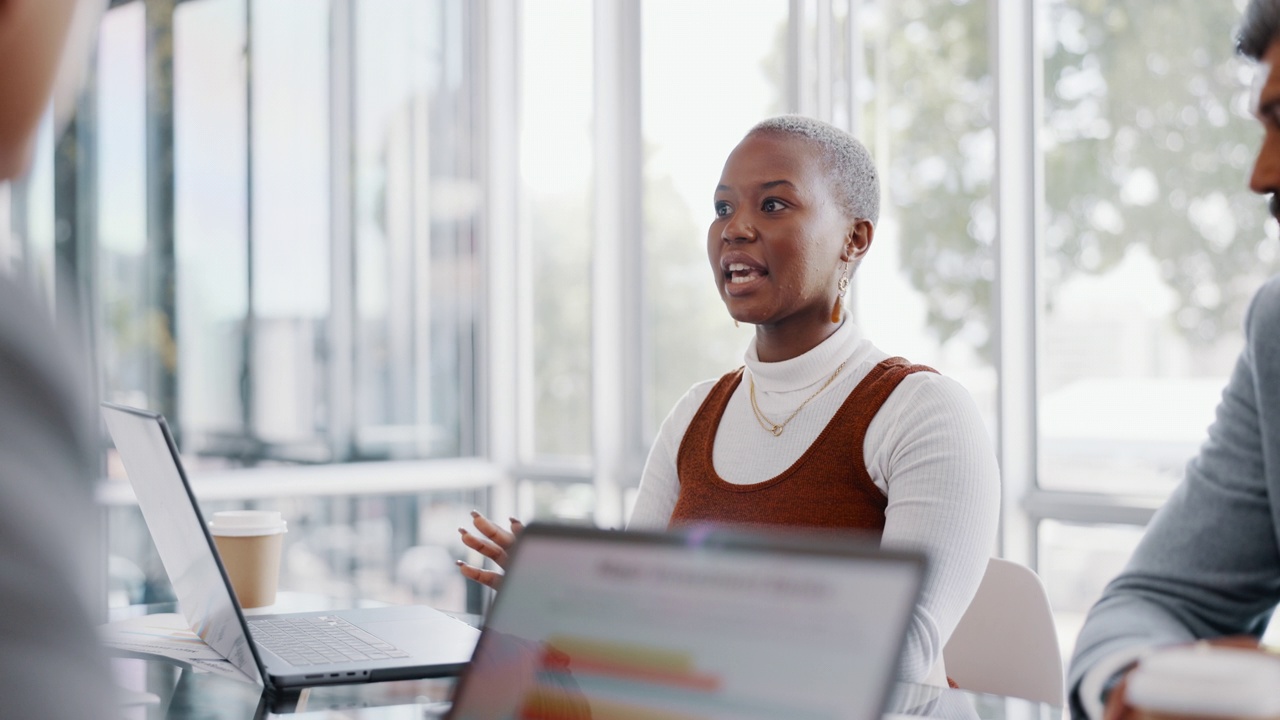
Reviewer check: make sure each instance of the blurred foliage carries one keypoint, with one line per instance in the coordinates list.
(931, 105)
(1146, 139)
(691, 335)
(560, 234)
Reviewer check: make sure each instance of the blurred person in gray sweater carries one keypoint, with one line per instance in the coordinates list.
(1208, 567)
(51, 665)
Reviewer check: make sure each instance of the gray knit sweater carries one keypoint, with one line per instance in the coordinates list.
(1209, 564)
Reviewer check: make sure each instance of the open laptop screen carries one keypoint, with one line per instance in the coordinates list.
(628, 625)
(182, 541)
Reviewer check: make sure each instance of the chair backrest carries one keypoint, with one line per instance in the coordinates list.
(1006, 642)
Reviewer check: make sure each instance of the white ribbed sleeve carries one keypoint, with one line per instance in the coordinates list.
(926, 449)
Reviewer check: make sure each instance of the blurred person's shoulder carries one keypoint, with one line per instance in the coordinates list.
(1264, 309)
(42, 366)
(1262, 327)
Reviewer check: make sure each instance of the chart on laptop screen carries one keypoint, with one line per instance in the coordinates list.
(636, 631)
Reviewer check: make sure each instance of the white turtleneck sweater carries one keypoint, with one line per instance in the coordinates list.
(926, 449)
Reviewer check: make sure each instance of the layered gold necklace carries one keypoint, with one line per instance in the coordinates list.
(777, 428)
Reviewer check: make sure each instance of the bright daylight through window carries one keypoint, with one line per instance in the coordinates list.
(373, 238)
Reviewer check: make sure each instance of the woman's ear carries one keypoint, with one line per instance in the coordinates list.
(858, 240)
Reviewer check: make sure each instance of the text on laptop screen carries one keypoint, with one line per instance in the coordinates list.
(636, 630)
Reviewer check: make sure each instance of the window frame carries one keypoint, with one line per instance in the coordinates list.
(821, 81)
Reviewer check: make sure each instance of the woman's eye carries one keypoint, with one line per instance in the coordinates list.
(772, 205)
(722, 209)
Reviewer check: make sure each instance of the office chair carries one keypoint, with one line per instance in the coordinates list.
(1006, 642)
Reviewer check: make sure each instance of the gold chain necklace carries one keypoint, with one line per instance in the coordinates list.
(777, 428)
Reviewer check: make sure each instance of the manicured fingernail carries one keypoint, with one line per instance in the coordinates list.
(475, 513)
(462, 530)
(460, 563)
(514, 521)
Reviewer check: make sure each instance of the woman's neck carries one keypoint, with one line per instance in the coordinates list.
(788, 340)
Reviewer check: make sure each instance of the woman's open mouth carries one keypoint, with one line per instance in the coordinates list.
(741, 278)
(741, 273)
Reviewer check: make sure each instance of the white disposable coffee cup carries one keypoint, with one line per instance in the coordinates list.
(249, 543)
(1206, 681)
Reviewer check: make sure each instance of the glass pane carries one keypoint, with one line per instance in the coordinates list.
(211, 218)
(556, 168)
(417, 203)
(925, 289)
(1076, 562)
(290, 234)
(1151, 242)
(701, 91)
(131, 331)
(560, 501)
(31, 218)
(396, 549)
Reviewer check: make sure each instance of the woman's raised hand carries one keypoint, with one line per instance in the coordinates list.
(493, 545)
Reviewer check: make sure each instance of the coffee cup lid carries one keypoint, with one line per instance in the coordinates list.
(247, 523)
(1207, 681)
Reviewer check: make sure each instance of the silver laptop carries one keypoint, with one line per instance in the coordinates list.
(279, 651)
(698, 624)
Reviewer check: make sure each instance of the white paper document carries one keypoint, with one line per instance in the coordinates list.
(167, 635)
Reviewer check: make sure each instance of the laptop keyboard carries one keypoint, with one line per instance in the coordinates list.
(320, 640)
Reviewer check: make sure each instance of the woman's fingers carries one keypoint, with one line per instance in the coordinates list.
(501, 537)
(492, 542)
(484, 577)
(484, 547)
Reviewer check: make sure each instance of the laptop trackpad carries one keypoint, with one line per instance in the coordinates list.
(432, 635)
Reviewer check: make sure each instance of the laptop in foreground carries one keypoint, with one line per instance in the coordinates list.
(278, 651)
(699, 624)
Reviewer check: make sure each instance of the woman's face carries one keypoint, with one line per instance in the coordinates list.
(780, 238)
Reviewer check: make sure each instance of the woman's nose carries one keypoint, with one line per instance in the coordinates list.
(738, 229)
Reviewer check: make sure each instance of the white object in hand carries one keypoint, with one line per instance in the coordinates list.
(1206, 681)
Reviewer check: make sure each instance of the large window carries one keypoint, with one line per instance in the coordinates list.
(925, 289)
(286, 240)
(440, 231)
(283, 262)
(554, 291)
(1152, 244)
(211, 218)
(416, 206)
(700, 92)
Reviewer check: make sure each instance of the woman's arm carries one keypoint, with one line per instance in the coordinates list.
(659, 484)
(929, 447)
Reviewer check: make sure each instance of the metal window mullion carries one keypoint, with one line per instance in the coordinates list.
(160, 253)
(248, 332)
(1091, 508)
(1017, 187)
(421, 251)
(498, 397)
(617, 251)
(342, 257)
(421, 248)
(853, 59)
(824, 32)
(797, 76)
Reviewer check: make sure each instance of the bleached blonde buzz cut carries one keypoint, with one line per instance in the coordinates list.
(847, 162)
